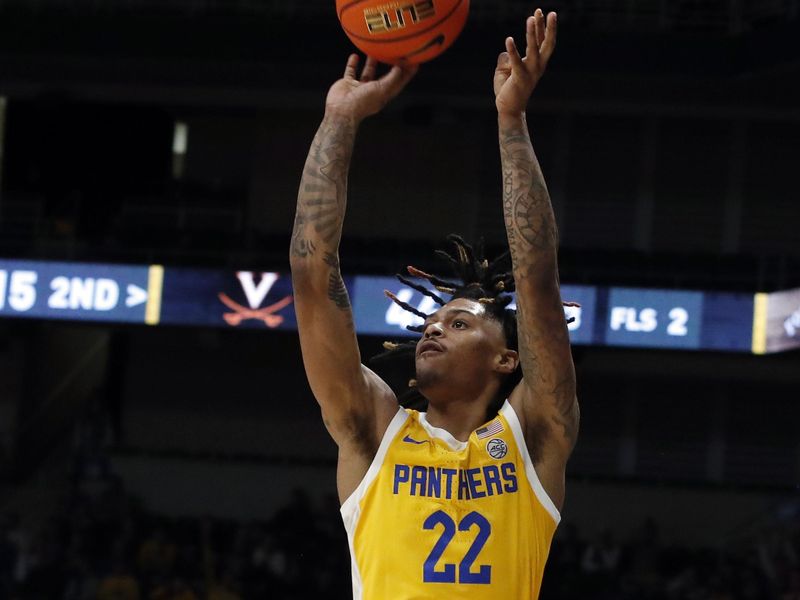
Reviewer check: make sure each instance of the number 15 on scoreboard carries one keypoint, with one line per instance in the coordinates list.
(19, 288)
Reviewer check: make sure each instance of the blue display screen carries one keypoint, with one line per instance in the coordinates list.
(75, 291)
(727, 321)
(654, 318)
(264, 300)
(244, 299)
(375, 314)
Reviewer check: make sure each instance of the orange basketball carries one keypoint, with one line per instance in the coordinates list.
(402, 31)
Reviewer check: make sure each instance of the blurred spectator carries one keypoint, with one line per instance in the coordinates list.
(81, 582)
(120, 584)
(156, 555)
(600, 562)
(645, 574)
(174, 589)
(94, 548)
(225, 589)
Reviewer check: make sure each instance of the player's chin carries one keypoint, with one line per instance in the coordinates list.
(427, 361)
(426, 376)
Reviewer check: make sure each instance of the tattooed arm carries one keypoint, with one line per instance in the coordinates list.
(356, 405)
(546, 399)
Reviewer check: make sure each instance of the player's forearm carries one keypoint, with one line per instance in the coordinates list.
(322, 198)
(528, 214)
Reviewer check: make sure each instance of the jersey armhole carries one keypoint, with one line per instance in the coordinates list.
(510, 415)
(349, 506)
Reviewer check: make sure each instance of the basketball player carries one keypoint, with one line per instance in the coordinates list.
(460, 501)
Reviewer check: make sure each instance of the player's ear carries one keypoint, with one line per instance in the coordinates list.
(506, 361)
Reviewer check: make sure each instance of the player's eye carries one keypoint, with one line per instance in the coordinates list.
(459, 324)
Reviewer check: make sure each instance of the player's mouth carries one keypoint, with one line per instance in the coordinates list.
(428, 346)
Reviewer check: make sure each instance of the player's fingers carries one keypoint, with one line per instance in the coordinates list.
(513, 54)
(531, 43)
(397, 78)
(370, 67)
(352, 66)
(549, 43)
(540, 26)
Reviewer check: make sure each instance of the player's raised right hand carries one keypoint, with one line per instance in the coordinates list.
(357, 98)
(516, 77)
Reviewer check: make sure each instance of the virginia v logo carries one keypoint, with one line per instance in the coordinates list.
(255, 294)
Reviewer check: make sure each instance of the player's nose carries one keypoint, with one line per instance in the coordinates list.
(433, 329)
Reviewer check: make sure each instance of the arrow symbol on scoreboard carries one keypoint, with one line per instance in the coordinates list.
(136, 296)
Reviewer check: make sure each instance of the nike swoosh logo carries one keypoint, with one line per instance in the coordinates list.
(410, 440)
(437, 41)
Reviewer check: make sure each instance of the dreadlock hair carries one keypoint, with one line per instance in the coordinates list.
(477, 279)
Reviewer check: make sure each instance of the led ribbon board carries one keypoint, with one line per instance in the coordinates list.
(776, 321)
(632, 317)
(377, 315)
(78, 291)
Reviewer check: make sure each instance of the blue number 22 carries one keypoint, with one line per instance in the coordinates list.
(448, 573)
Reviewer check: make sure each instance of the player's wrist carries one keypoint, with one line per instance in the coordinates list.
(508, 119)
(337, 116)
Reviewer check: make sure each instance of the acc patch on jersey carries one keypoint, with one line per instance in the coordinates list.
(496, 448)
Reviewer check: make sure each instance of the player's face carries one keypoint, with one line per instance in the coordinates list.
(458, 341)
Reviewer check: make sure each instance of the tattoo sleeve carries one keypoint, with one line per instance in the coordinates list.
(321, 200)
(321, 204)
(340, 383)
(533, 242)
(337, 292)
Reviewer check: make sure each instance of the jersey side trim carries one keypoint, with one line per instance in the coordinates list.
(351, 510)
(511, 416)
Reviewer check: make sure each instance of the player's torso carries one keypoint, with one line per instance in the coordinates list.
(436, 518)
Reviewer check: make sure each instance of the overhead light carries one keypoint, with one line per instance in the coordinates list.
(180, 143)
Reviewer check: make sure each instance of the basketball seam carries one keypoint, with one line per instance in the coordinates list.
(397, 39)
(348, 5)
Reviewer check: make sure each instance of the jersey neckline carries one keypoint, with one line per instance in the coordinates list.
(442, 434)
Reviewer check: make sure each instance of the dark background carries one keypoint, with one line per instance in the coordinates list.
(192, 463)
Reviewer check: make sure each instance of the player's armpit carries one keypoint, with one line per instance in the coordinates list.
(359, 423)
(549, 436)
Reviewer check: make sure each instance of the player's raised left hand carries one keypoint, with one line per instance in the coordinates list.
(359, 97)
(516, 77)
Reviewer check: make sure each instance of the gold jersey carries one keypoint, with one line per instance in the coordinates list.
(436, 518)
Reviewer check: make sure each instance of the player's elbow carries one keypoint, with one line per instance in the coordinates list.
(300, 266)
(307, 278)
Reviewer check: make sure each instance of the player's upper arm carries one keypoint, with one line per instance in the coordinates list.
(547, 393)
(356, 404)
